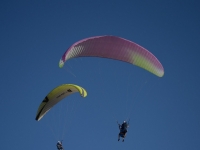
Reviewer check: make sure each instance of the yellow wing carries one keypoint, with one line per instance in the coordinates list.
(56, 95)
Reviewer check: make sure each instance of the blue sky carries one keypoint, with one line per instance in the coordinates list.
(164, 112)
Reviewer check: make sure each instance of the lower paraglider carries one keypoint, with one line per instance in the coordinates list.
(58, 121)
(123, 130)
(59, 145)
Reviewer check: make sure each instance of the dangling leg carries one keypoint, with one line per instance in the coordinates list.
(118, 137)
(124, 136)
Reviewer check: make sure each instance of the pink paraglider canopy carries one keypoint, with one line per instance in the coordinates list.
(117, 48)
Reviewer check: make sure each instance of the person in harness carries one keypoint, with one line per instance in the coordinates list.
(123, 130)
(59, 145)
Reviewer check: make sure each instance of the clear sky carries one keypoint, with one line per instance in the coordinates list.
(164, 112)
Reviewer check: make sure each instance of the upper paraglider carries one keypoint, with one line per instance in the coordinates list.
(56, 95)
(114, 48)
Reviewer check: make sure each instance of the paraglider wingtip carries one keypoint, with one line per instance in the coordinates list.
(61, 63)
(161, 75)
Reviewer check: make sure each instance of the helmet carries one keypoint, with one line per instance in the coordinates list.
(124, 122)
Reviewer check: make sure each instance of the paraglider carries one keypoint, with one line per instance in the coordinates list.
(117, 48)
(56, 95)
(59, 145)
(123, 130)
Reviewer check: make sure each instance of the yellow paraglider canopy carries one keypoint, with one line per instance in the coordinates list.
(56, 95)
